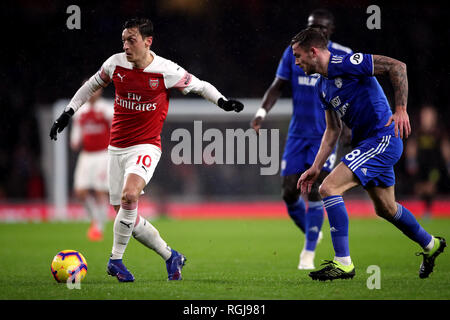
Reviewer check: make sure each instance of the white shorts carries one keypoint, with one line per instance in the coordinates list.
(140, 159)
(91, 171)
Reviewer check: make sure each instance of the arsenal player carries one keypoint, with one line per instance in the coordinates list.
(90, 134)
(142, 81)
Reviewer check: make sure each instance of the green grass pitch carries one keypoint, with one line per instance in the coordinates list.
(227, 260)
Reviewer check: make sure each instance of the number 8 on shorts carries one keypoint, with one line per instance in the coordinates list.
(352, 155)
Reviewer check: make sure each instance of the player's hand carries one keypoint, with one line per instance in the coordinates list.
(230, 105)
(307, 179)
(256, 124)
(60, 123)
(401, 122)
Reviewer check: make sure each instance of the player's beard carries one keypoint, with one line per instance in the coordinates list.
(307, 69)
(311, 68)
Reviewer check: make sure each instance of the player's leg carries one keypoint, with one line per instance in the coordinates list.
(333, 187)
(142, 164)
(294, 202)
(331, 190)
(100, 188)
(88, 201)
(116, 173)
(100, 207)
(315, 212)
(386, 207)
(83, 182)
(313, 225)
(363, 165)
(123, 226)
(292, 166)
(101, 198)
(149, 236)
(126, 217)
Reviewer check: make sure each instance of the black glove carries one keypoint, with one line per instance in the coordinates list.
(230, 105)
(61, 123)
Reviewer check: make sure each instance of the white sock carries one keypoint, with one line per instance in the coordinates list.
(123, 228)
(148, 235)
(101, 214)
(307, 255)
(90, 207)
(346, 261)
(430, 246)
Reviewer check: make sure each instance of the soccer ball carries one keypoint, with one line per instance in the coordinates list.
(69, 264)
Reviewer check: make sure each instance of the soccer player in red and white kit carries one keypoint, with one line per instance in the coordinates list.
(90, 134)
(142, 81)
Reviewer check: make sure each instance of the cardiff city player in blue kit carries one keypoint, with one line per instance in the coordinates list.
(305, 133)
(349, 92)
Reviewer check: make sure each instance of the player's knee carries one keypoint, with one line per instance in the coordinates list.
(325, 190)
(130, 197)
(386, 210)
(81, 194)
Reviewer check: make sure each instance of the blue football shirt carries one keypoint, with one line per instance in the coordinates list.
(354, 93)
(308, 118)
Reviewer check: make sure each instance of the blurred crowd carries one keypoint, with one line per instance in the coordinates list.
(236, 45)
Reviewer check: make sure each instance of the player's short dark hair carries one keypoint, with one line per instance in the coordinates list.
(145, 26)
(310, 37)
(324, 14)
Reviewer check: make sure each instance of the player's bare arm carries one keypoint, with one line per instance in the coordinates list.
(396, 70)
(329, 140)
(270, 97)
(210, 93)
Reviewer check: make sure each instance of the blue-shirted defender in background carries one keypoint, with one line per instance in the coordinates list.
(349, 92)
(305, 133)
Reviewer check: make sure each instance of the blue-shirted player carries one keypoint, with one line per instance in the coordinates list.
(305, 133)
(349, 92)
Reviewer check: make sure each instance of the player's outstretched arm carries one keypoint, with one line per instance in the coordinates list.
(210, 93)
(270, 97)
(329, 139)
(81, 96)
(396, 70)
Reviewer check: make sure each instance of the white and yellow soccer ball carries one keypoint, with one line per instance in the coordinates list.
(69, 265)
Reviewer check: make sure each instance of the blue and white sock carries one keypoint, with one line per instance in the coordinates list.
(297, 212)
(313, 224)
(338, 218)
(407, 223)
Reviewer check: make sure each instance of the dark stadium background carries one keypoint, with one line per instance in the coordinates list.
(234, 44)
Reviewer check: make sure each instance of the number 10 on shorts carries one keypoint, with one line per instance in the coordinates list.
(145, 160)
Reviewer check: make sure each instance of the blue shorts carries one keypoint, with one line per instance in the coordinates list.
(299, 155)
(373, 160)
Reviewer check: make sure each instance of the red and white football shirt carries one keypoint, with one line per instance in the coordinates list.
(91, 126)
(142, 98)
